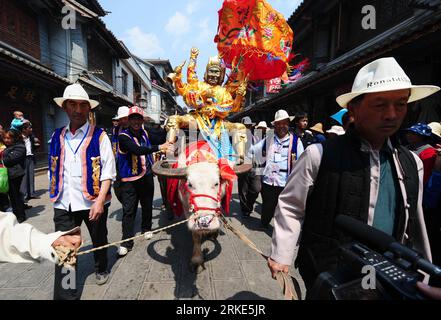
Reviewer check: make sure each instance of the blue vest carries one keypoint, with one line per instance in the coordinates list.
(91, 163)
(294, 139)
(130, 166)
(114, 140)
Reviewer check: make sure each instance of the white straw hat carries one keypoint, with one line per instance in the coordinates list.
(337, 130)
(75, 92)
(384, 75)
(318, 128)
(282, 115)
(123, 112)
(436, 128)
(247, 121)
(262, 125)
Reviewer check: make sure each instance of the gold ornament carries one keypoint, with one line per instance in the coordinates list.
(96, 174)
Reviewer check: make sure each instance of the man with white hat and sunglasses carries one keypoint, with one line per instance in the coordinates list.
(342, 177)
(81, 171)
(275, 157)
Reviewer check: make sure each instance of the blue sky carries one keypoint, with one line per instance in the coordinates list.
(168, 29)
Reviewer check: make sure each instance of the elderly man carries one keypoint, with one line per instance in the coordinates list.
(365, 174)
(82, 168)
(274, 158)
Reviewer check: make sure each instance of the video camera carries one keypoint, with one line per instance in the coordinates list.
(396, 269)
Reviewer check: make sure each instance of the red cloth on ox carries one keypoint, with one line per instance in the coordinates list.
(195, 153)
(428, 157)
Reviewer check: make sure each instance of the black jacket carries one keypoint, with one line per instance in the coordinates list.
(33, 147)
(14, 159)
(157, 136)
(342, 187)
(127, 145)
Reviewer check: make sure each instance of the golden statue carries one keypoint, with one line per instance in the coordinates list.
(210, 102)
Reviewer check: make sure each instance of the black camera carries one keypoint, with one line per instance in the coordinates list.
(376, 267)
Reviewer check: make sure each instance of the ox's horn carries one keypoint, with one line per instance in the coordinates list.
(164, 169)
(242, 168)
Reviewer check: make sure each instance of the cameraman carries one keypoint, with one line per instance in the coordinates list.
(364, 174)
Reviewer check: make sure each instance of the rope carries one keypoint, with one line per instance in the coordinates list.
(285, 283)
(131, 239)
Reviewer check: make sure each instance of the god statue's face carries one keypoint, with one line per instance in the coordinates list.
(172, 123)
(214, 76)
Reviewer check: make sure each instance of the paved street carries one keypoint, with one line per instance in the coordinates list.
(157, 269)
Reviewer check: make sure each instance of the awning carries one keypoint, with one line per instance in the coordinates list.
(102, 86)
(78, 7)
(27, 62)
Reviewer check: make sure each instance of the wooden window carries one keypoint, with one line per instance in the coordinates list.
(19, 27)
(124, 76)
(12, 28)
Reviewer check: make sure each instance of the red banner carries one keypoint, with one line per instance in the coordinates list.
(273, 85)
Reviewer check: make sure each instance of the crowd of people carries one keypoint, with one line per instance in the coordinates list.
(18, 147)
(364, 166)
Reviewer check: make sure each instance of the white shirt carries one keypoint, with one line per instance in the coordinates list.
(290, 212)
(27, 142)
(275, 172)
(22, 243)
(72, 192)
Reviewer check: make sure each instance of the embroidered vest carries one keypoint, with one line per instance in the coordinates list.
(132, 167)
(114, 140)
(91, 163)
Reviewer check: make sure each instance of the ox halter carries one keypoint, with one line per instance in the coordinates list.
(194, 208)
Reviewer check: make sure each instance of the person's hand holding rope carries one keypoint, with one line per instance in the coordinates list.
(66, 248)
(276, 267)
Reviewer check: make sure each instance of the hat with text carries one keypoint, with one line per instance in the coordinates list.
(382, 75)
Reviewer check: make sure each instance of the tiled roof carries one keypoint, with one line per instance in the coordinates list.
(33, 65)
(299, 10)
(113, 41)
(426, 4)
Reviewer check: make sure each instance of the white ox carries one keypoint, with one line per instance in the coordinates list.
(201, 191)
